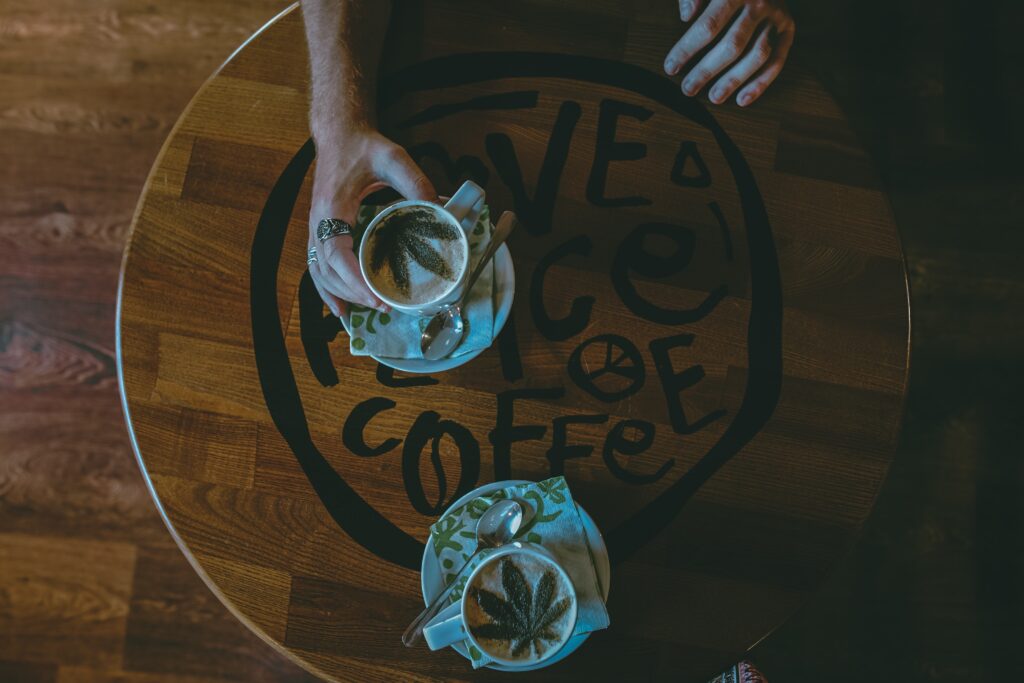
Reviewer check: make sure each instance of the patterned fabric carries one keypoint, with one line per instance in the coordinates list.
(744, 672)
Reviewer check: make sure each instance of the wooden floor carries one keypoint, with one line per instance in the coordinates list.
(93, 589)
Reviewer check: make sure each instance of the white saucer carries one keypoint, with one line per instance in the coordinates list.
(431, 581)
(505, 289)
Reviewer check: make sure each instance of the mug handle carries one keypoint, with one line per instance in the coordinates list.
(464, 200)
(446, 628)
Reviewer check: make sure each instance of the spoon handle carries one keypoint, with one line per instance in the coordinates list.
(415, 629)
(501, 232)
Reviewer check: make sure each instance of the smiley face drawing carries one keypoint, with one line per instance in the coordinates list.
(644, 350)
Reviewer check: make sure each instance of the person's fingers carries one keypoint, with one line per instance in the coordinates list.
(726, 51)
(344, 266)
(329, 280)
(324, 275)
(399, 171)
(332, 296)
(335, 304)
(688, 9)
(343, 204)
(745, 68)
(706, 28)
(335, 285)
(768, 73)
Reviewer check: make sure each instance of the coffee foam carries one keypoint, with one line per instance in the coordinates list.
(489, 578)
(424, 285)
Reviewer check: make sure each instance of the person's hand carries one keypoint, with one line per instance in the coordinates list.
(349, 166)
(750, 41)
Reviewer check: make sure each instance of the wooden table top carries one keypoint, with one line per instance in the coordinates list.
(709, 339)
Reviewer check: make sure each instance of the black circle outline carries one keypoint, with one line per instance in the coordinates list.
(764, 338)
(578, 375)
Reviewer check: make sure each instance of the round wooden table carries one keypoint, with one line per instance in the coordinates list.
(709, 339)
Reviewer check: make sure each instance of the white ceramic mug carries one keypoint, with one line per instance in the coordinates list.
(466, 199)
(450, 625)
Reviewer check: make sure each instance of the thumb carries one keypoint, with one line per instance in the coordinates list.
(402, 173)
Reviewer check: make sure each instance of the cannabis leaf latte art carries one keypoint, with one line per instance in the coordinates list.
(415, 255)
(520, 608)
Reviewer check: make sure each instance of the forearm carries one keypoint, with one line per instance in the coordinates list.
(352, 157)
(344, 38)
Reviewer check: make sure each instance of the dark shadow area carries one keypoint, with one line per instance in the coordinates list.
(932, 592)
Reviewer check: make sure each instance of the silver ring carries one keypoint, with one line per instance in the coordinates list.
(311, 256)
(332, 227)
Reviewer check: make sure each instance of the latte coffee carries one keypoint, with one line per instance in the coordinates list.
(415, 255)
(520, 608)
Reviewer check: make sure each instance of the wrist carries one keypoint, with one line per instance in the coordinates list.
(337, 125)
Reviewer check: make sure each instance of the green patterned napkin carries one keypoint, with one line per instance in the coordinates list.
(555, 525)
(397, 335)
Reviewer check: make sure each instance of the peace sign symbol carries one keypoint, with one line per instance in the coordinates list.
(622, 360)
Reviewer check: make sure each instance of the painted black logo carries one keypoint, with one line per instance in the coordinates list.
(608, 367)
